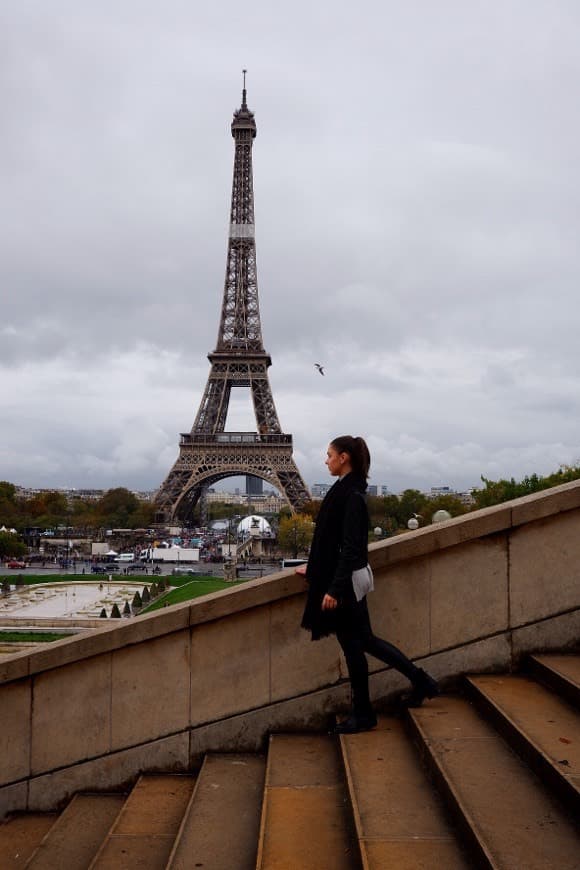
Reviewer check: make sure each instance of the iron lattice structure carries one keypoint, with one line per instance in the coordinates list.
(208, 453)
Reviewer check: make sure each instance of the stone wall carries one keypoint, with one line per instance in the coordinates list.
(472, 594)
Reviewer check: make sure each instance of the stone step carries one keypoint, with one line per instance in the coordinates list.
(560, 673)
(306, 821)
(542, 728)
(400, 821)
(21, 835)
(144, 832)
(221, 825)
(77, 834)
(507, 818)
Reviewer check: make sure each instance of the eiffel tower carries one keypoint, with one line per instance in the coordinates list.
(208, 453)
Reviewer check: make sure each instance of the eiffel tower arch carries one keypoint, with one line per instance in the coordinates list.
(209, 453)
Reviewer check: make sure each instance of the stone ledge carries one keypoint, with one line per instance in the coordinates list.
(101, 640)
(432, 539)
(207, 608)
(546, 503)
(284, 584)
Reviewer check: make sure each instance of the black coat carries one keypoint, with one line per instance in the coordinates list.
(339, 547)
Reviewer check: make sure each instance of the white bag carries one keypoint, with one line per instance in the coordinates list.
(362, 582)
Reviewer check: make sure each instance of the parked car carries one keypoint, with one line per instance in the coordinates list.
(16, 563)
(109, 568)
(136, 568)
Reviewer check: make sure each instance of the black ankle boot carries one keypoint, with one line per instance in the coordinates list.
(423, 687)
(356, 723)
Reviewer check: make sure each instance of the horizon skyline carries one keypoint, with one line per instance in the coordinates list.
(220, 486)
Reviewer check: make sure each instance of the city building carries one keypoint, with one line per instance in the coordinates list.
(268, 502)
(29, 492)
(319, 490)
(437, 491)
(254, 485)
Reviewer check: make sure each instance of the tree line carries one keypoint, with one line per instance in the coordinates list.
(118, 508)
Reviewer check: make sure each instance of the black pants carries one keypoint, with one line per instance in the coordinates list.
(355, 635)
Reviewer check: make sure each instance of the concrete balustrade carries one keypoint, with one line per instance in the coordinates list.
(219, 673)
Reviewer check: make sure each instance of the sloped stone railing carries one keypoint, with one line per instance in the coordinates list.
(471, 594)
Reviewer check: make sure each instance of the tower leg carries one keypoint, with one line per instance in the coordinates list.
(203, 509)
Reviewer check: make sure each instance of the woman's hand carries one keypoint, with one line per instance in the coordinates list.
(301, 569)
(329, 603)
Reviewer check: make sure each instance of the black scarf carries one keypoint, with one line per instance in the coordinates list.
(324, 555)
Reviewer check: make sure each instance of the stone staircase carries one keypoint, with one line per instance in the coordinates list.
(490, 778)
(244, 549)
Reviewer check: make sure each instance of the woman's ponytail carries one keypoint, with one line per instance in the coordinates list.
(357, 450)
(364, 462)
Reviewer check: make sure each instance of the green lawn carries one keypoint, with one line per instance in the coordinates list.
(31, 636)
(189, 589)
(184, 579)
(33, 579)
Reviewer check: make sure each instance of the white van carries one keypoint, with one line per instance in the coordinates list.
(125, 557)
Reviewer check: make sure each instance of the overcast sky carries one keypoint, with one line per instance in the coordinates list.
(417, 202)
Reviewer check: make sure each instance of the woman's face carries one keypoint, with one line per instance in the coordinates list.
(337, 463)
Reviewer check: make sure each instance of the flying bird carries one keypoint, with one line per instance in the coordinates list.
(319, 367)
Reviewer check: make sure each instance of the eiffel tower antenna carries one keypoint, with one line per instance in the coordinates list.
(209, 453)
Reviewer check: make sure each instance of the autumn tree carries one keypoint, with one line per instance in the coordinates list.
(48, 509)
(497, 491)
(10, 513)
(120, 509)
(7, 490)
(311, 508)
(384, 512)
(295, 534)
(11, 545)
(84, 514)
(411, 502)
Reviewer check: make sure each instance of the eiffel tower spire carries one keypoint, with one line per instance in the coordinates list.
(240, 329)
(240, 321)
(209, 453)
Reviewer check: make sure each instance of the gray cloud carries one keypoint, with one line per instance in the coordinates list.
(417, 203)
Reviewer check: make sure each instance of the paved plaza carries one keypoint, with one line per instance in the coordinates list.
(77, 600)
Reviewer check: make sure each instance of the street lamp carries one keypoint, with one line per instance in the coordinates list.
(440, 516)
(414, 523)
(295, 535)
